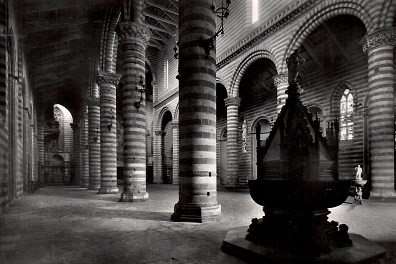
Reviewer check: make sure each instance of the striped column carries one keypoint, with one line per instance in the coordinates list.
(94, 143)
(281, 83)
(40, 139)
(233, 148)
(108, 132)
(175, 155)
(84, 148)
(76, 154)
(197, 119)
(379, 48)
(133, 38)
(157, 156)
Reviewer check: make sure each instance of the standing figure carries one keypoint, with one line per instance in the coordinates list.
(358, 172)
(293, 61)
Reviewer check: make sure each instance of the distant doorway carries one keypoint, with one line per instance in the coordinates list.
(57, 171)
(264, 133)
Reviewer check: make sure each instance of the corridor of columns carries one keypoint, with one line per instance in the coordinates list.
(122, 121)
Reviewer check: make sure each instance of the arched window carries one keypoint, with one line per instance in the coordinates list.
(346, 115)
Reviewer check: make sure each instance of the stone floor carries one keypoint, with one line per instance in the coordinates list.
(73, 225)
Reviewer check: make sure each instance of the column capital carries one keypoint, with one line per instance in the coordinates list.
(280, 79)
(232, 101)
(108, 77)
(380, 37)
(93, 101)
(132, 30)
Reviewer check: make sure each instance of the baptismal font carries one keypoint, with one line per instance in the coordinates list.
(297, 181)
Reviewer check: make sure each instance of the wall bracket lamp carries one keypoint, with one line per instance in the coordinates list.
(96, 138)
(111, 117)
(141, 88)
(221, 12)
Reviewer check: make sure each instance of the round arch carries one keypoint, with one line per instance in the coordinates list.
(244, 65)
(161, 116)
(387, 15)
(331, 9)
(108, 33)
(264, 133)
(220, 81)
(316, 105)
(256, 121)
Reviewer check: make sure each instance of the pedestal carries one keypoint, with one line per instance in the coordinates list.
(361, 251)
(134, 197)
(195, 213)
(108, 190)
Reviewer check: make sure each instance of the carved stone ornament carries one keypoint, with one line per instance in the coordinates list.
(232, 101)
(126, 30)
(106, 77)
(379, 38)
(281, 79)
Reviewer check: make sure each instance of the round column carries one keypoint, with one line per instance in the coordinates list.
(76, 159)
(84, 148)
(233, 148)
(281, 83)
(379, 48)
(108, 132)
(133, 38)
(175, 134)
(94, 143)
(40, 143)
(197, 115)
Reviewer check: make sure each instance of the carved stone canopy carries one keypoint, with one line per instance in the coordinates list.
(280, 79)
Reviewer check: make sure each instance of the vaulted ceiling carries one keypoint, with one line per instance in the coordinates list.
(58, 38)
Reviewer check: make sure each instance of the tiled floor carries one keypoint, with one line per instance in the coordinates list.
(73, 225)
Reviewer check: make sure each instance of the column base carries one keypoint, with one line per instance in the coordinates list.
(93, 187)
(383, 195)
(134, 197)
(108, 190)
(196, 213)
(85, 186)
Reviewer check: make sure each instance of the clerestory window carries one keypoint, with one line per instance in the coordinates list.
(255, 7)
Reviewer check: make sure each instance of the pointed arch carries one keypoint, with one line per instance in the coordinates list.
(344, 96)
(336, 97)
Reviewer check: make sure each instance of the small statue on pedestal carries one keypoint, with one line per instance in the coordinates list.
(358, 173)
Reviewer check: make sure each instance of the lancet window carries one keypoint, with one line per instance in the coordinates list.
(346, 116)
